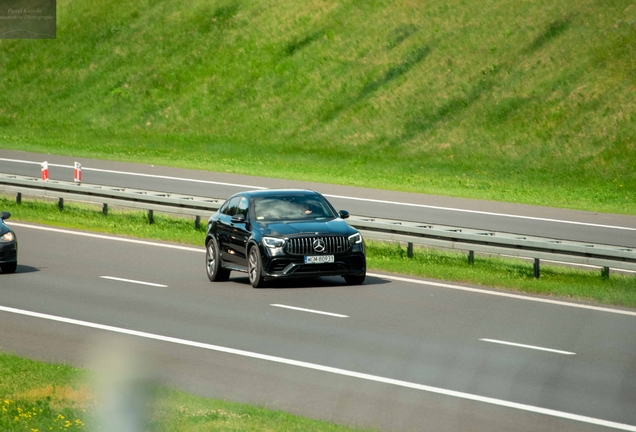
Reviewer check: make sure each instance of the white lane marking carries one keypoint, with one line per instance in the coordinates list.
(134, 281)
(31, 162)
(107, 237)
(174, 178)
(310, 311)
(380, 276)
(527, 346)
(140, 174)
(481, 212)
(343, 197)
(328, 369)
(503, 294)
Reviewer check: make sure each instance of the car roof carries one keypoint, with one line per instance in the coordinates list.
(276, 192)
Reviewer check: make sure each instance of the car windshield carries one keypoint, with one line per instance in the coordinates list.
(291, 207)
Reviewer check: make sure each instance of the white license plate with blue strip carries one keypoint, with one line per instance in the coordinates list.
(319, 259)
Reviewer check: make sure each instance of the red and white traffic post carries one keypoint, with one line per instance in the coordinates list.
(77, 173)
(45, 170)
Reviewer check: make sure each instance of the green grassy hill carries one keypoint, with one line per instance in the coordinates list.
(523, 101)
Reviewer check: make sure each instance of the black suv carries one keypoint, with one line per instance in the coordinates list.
(286, 233)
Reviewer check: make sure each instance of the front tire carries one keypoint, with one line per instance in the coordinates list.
(215, 272)
(9, 267)
(355, 279)
(254, 268)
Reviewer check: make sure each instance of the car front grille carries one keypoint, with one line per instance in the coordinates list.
(305, 245)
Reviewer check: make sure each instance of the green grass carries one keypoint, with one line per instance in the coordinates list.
(37, 396)
(494, 272)
(42, 397)
(510, 274)
(532, 103)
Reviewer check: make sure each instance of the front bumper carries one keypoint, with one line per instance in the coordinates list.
(295, 267)
(8, 252)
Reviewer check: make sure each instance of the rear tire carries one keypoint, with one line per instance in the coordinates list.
(255, 268)
(355, 279)
(9, 267)
(215, 272)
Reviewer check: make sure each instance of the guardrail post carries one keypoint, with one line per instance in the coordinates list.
(197, 222)
(60, 203)
(409, 250)
(471, 257)
(104, 209)
(151, 217)
(18, 198)
(537, 268)
(605, 272)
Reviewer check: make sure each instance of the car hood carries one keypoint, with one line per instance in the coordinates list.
(4, 229)
(291, 228)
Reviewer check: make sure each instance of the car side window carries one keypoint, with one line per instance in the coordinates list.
(243, 207)
(231, 207)
(224, 207)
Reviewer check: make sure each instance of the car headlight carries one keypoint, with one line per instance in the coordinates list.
(355, 238)
(273, 242)
(7, 237)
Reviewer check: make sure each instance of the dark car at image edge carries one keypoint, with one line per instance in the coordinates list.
(281, 234)
(8, 246)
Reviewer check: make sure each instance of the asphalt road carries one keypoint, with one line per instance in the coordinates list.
(601, 228)
(396, 354)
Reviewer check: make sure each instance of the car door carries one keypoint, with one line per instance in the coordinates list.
(224, 228)
(240, 231)
(233, 231)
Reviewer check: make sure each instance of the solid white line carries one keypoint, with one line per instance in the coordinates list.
(528, 346)
(134, 281)
(503, 294)
(381, 276)
(328, 369)
(31, 162)
(173, 178)
(343, 197)
(310, 311)
(482, 212)
(139, 174)
(107, 237)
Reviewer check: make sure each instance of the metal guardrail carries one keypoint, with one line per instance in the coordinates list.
(188, 205)
(499, 243)
(432, 235)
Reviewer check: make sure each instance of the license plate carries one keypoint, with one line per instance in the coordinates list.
(319, 259)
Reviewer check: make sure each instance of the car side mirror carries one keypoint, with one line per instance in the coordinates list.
(343, 214)
(239, 218)
(5, 215)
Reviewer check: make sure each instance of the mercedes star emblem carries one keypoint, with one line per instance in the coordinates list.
(319, 245)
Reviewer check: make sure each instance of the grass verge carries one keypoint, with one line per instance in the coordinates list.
(494, 272)
(38, 396)
(488, 99)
